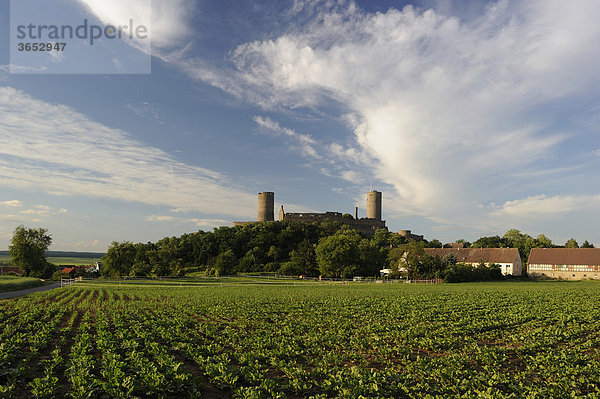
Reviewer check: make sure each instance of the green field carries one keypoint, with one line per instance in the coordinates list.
(225, 339)
(5, 259)
(10, 283)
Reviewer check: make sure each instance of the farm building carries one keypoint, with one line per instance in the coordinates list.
(565, 263)
(508, 258)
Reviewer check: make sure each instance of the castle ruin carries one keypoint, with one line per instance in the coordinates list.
(367, 226)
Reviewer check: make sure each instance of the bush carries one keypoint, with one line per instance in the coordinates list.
(290, 269)
(57, 275)
(460, 273)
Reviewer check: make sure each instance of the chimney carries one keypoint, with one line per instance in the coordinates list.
(356, 212)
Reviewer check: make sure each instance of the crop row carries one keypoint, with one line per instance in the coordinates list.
(484, 340)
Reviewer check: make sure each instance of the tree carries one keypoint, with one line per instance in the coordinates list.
(490, 242)
(371, 260)
(119, 259)
(586, 244)
(466, 243)
(435, 243)
(225, 263)
(339, 255)
(28, 251)
(544, 241)
(303, 260)
(572, 243)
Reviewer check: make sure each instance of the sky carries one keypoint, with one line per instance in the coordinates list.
(472, 117)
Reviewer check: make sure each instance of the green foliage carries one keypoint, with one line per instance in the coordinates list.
(459, 273)
(319, 340)
(303, 260)
(513, 238)
(586, 244)
(371, 258)
(225, 263)
(28, 251)
(338, 255)
(490, 242)
(466, 243)
(435, 243)
(544, 241)
(15, 283)
(119, 259)
(57, 275)
(571, 243)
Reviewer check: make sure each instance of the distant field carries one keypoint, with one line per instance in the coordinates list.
(72, 261)
(59, 260)
(10, 283)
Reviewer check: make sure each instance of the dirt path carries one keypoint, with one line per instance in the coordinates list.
(12, 294)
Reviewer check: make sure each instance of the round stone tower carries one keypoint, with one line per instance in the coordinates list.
(374, 205)
(266, 206)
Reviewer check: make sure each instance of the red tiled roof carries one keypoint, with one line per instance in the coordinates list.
(564, 256)
(476, 255)
(68, 269)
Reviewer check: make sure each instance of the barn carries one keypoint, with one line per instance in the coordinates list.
(564, 263)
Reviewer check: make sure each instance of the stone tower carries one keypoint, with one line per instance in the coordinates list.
(374, 205)
(266, 207)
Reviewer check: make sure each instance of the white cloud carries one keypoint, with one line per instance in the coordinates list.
(168, 22)
(548, 206)
(442, 109)
(145, 109)
(42, 211)
(331, 159)
(101, 162)
(304, 142)
(12, 203)
(57, 57)
(118, 64)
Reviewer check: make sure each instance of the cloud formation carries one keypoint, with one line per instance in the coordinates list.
(12, 203)
(57, 150)
(541, 206)
(168, 21)
(444, 108)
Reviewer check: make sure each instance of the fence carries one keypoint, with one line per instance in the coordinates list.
(433, 281)
(65, 282)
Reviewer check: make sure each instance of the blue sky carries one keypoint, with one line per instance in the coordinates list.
(471, 117)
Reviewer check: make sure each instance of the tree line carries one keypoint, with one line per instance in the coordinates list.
(328, 249)
(513, 238)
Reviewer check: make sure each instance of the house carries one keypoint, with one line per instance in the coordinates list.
(70, 271)
(565, 263)
(508, 258)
